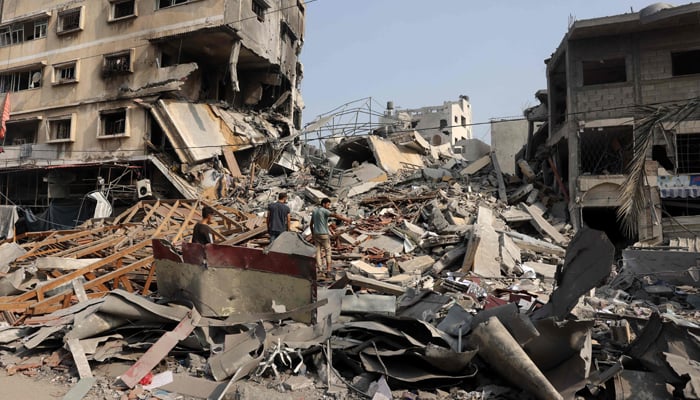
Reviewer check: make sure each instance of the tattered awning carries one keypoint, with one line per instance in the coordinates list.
(679, 186)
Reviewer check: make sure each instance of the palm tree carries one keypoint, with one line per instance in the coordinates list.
(633, 197)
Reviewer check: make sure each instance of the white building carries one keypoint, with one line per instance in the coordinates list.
(448, 123)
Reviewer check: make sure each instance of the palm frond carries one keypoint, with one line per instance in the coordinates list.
(633, 198)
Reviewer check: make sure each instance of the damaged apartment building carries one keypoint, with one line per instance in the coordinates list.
(125, 99)
(619, 86)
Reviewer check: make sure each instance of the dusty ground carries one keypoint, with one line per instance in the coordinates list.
(19, 386)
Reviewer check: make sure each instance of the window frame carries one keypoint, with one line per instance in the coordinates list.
(57, 80)
(53, 121)
(687, 167)
(60, 30)
(694, 53)
(101, 135)
(15, 78)
(262, 6)
(111, 72)
(172, 3)
(600, 78)
(113, 7)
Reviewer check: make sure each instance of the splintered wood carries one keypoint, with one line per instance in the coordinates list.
(81, 264)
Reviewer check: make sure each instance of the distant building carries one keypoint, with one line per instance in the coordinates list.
(445, 124)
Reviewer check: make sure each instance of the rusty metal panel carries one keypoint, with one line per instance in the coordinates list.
(224, 280)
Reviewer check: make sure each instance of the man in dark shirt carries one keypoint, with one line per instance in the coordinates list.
(278, 217)
(202, 233)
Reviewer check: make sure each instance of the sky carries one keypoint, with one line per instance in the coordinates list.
(421, 53)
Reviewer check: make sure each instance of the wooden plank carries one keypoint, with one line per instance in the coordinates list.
(166, 219)
(90, 248)
(147, 285)
(186, 223)
(81, 362)
(245, 235)
(542, 225)
(374, 284)
(232, 164)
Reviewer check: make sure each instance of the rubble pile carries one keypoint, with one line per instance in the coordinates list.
(453, 281)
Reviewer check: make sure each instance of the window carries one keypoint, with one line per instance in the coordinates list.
(260, 8)
(443, 123)
(688, 153)
(22, 132)
(685, 63)
(300, 6)
(23, 31)
(170, 3)
(117, 63)
(287, 33)
(69, 21)
(20, 80)
(40, 28)
(604, 71)
(113, 123)
(606, 150)
(60, 129)
(464, 121)
(65, 73)
(122, 9)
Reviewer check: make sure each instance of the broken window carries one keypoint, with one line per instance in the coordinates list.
(606, 151)
(69, 21)
(443, 123)
(660, 155)
(21, 132)
(287, 33)
(23, 31)
(170, 3)
(20, 80)
(117, 63)
(60, 129)
(122, 9)
(685, 62)
(260, 8)
(113, 122)
(688, 153)
(65, 73)
(604, 71)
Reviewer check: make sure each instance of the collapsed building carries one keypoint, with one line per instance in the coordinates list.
(132, 100)
(454, 275)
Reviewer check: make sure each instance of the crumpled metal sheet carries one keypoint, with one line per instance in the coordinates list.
(659, 337)
(418, 365)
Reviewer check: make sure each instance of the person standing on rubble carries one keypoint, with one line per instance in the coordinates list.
(278, 217)
(320, 232)
(202, 232)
